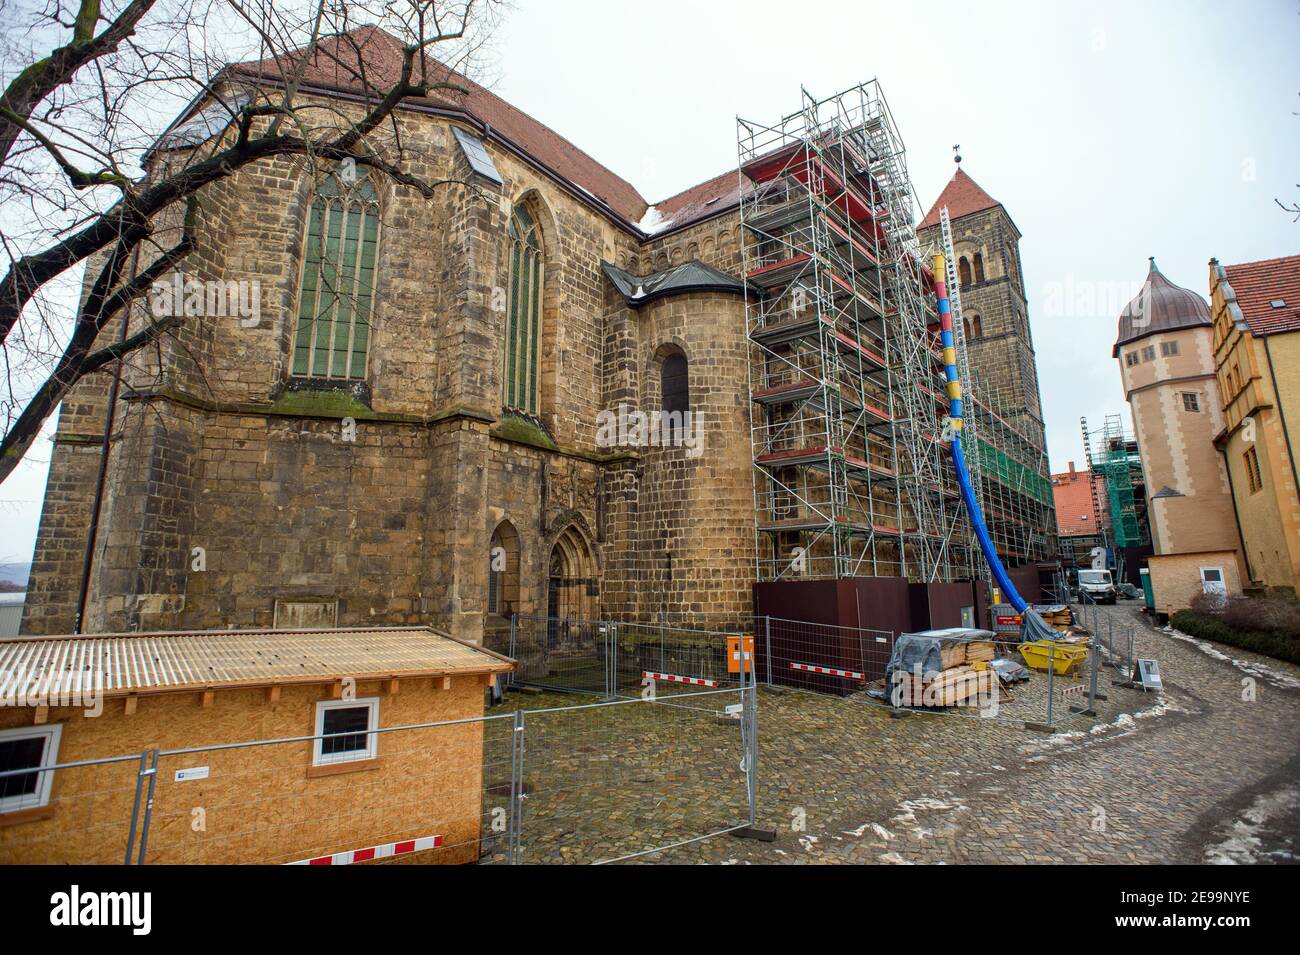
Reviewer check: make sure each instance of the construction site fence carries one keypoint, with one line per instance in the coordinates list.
(592, 783)
(1118, 638)
(1061, 682)
(618, 660)
(614, 659)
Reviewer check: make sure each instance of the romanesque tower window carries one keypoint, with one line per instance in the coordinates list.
(979, 267)
(963, 271)
(675, 386)
(523, 318)
(338, 280)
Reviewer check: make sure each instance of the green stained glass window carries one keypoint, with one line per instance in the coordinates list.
(519, 383)
(340, 253)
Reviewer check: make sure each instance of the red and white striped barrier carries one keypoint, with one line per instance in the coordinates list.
(674, 678)
(374, 852)
(829, 671)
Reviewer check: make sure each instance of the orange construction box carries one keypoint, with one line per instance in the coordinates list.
(733, 654)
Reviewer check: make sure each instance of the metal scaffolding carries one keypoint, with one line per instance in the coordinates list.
(851, 469)
(1113, 455)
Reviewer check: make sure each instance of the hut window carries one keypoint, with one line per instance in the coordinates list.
(347, 731)
(27, 748)
(332, 336)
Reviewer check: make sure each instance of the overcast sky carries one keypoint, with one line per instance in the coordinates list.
(1111, 131)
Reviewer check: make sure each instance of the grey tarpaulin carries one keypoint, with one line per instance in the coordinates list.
(925, 649)
(1034, 627)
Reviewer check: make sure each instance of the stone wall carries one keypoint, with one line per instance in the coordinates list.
(380, 499)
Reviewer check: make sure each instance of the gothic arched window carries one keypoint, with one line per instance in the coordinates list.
(523, 319)
(963, 271)
(340, 252)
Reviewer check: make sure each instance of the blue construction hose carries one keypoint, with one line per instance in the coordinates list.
(1033, 624)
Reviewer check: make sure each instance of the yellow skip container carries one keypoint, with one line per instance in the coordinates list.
(1064, 658)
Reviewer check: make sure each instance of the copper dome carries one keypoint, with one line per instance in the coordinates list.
(1161, 306)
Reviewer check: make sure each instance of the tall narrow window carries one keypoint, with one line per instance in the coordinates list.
(963, 271)
(1253, 476)
(523, 319)
(979, 267)
(675, 385)
(338, 280)
(503, 570)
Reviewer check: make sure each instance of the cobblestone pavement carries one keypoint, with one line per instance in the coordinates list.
(1208, 771)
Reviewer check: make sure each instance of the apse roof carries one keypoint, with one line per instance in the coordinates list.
(693, 276)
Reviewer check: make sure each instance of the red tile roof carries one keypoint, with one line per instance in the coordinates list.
(1258, 284)
(702, 201)
(370, 58)
(1076, 513)
(962, 196)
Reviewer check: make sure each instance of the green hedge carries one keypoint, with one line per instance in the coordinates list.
(1277, 645)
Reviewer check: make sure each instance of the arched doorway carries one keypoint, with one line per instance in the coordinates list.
(572, 586)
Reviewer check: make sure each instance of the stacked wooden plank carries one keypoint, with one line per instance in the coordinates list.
(965, 679)
(960, 652)
(1058, 616)
(959, 685)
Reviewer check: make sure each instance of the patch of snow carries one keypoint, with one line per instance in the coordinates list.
(1126, 722)
(875, 827)
(1251, 667)
(653, 221)
(1242, 846)
(893, 858)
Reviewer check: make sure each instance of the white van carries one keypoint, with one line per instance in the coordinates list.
(1097, 586)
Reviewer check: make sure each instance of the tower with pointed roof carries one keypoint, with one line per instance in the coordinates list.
(995, 316)
(994, 307)
(1165, 348)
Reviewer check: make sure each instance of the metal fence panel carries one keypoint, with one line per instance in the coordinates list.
(613, 781)
(573, 656)
(610, 659)
(683, 657)
(827, 658)
(444, 795)
(75, 813)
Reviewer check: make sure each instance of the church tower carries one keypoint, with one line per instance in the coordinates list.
(994, 309)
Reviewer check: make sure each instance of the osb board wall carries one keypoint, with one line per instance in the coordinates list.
(260, 804)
